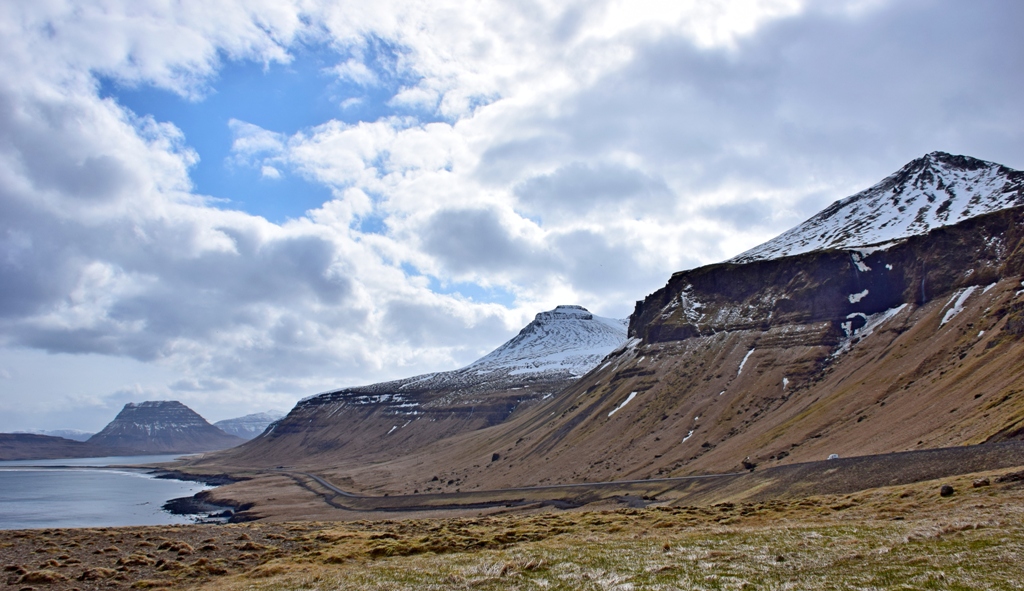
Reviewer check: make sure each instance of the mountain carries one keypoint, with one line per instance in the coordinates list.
(72, 434)
(936, 190)
(732, 366)
(248, 426)
(389, 419)
(564, 343)
(34, 446)
(162, 427)
(884, 338)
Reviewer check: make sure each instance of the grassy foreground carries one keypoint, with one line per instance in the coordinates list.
(906, 537)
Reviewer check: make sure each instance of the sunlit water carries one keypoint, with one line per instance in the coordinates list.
(70, 493)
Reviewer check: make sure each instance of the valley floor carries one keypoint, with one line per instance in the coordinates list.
(896, 537)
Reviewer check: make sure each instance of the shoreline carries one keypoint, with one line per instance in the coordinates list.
(197, 508)
(201, 505)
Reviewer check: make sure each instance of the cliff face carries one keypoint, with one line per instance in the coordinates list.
(162, 427)
(842, 288)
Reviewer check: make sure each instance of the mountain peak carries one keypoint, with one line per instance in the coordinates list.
(568, 338)
(166, 426)
(936, 190)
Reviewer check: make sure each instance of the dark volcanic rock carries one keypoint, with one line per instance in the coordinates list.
(840, 288)
(162, 427)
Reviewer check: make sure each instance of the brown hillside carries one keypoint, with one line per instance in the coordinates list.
(824, 372)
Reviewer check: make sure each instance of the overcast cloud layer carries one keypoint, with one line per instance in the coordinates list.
(530, 154)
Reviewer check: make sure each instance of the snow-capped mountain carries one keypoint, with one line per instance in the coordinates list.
(567, 339)
(387, 420)
(72, 434)
(248, 426)
(561, 344)
(933, 191)
(162, 426)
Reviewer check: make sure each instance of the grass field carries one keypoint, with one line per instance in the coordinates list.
(906, 537)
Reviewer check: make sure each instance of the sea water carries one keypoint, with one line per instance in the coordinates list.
(88, 492)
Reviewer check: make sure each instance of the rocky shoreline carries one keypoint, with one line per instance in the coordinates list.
(201, 506)
(203, 509)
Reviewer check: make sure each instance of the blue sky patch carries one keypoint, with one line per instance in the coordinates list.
(282, 98)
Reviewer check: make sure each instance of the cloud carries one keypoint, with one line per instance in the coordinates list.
(578, 189)
(476, 240)
(549, 152)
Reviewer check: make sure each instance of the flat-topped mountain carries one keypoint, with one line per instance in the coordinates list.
(389, 419)
(165, 426)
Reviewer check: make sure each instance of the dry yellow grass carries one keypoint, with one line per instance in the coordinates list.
(906, 537)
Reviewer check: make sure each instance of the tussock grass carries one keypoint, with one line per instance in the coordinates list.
(894, 538)
(905, 537)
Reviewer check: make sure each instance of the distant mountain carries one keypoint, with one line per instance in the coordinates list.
(393, 418)
(936, 190)
(162, 427)
(72, 434)
(33, 446)
(248, 426)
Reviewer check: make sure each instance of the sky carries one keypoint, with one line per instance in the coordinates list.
(240, 203)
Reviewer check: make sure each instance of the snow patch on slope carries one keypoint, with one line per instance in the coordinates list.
(629, 398)
(871, 322)
(960, 297)
(744, 362)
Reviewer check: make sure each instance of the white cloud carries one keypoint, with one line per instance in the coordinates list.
(555, 152)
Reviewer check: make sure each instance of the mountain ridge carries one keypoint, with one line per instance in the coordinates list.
(789, 356)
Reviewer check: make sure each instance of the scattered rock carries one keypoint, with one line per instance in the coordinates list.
(136, 560)
(45, 577)
(981, 482)
(96, 574)
(1011, 477)
(946, 490)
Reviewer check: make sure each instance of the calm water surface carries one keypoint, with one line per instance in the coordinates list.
(69, 493)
